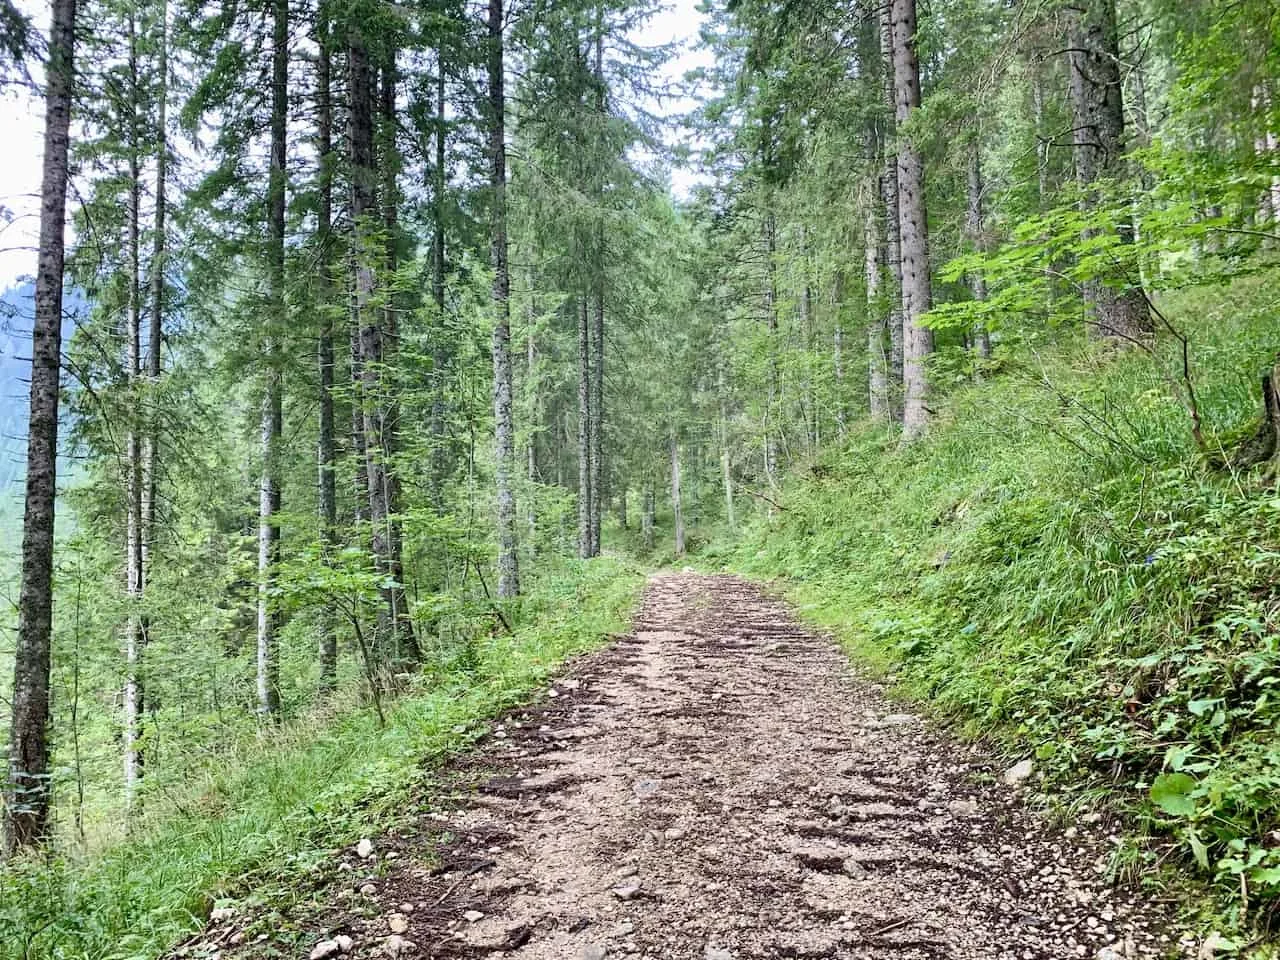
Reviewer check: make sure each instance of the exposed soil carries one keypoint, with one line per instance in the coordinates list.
(720, 785)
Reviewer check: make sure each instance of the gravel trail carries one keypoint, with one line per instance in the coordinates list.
(720, 785)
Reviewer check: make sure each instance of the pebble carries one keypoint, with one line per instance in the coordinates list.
(593, 951)
(325, 949)
(398, 923)
(627, 891)
(368, 890)
(471, 916)
(1019, 773)
(364, 849)
(716, 953)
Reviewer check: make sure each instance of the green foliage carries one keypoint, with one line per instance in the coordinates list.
(1054, 567)
(275, 800)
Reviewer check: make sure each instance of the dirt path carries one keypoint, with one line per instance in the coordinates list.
(720, 786)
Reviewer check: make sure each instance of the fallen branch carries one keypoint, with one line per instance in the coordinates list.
(768, 500)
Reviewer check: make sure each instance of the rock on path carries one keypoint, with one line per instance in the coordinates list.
(720, 786)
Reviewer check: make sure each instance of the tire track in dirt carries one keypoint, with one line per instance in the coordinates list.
(720, 785)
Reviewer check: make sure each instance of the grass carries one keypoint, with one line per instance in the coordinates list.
(283, 799)
(1054, 567)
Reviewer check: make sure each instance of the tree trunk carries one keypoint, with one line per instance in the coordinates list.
(531, 446)
(133, 440)
(585, 487)
(976, 229)
(504, 428)
(597, 415)
(878, 357)
(892, 231)
(647, 510)
(272, 407)
(912, 225)
(440, 354)
(327, 446)
(155, 333)
(27, 797)
(677, 508)
(1118, 308)
(771, 319)
(395, 635)
(726, 462)
(837, 353)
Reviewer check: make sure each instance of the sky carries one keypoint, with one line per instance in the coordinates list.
(22, 126)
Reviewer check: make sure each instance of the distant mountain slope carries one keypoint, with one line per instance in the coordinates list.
(16, 314)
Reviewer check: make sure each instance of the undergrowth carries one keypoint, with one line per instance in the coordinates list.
(285, 797)
(1056, 568)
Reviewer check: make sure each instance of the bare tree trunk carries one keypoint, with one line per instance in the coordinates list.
(646, 516)
(892, 229)
(133, 441)
(585, 487)
(878, 358)
(27, 797)
(272, 406)
(597, 415)
(504, 428)
(912, 224)
(395, 636)
(535, 412)
(677, 506)
(771, 425)
(726, 462)
(976, 229)
(837, 354)
(1117, 309)
(440, 354)
(327, 447)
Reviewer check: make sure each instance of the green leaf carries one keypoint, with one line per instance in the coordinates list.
(1171, 792)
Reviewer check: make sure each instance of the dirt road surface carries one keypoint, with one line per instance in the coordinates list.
(721, 785)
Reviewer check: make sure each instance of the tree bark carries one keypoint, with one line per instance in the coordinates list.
(975, 227)
(892, 232)
(272, 405)
(677, 507)
(395, 641)
(327, 447)
(586, 488)
(1116, 307)
(771, 320)
(646, 516)
(597, 415)
(878, 356)
(504, 428)
(440, 353)
(912, 224)
(133, 439)
(726, 461)
(27, 796)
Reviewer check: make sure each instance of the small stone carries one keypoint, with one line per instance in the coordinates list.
(963, 808)
(1019, 773)
(218, 914)
(344, 942)
(627, 891)
(397, 946)
(716, 953)
(364, 849)
(368, 890)
(344, 867)
(1108, 953)
(674, 833)
(325, 949)
(593, 951)
(398, 923)
(471, 916)
(236, 938)
(406, 907)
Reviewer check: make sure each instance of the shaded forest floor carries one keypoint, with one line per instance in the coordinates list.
(717, 784)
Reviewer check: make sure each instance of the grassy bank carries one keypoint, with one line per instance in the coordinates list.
(289, 795)
(1055, 567)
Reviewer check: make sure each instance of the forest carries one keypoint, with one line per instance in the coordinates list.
(372, 357)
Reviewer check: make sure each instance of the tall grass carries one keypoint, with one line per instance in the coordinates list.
(285, 797)
(1055, 567)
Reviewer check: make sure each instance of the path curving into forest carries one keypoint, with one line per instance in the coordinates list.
(719, 785)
